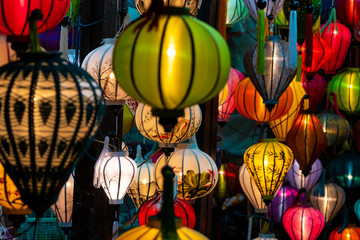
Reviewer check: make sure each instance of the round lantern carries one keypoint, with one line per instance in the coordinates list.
(196, 171)
(228, 184)
(356, 134)
(346, 86)
(266, 236)
(250, 104)
(285, 198)
(321, 53)
(303, 222)
(336, 128)
(251, 191)
(357, 209)
(15, 15)
(338, 38)
(277, 76)
(308, 131)
(351, 232)
(182, 209)
(172, 62)
(330, 202)
(98, 63)
(345, 170)
(280, 127)
(50, 112)
(268, 162)
(186, 126)
(193, 5)
(299, 181)
(236, 11)
(316, 89)
(272, 8)
(348, 12)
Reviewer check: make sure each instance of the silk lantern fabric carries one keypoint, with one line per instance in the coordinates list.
(351, 232)
(348, 12)
(228, 184)
(316, 89)
(336, 128)
(236, 11)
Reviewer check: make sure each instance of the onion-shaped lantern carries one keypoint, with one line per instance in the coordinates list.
(172, 62)
(328, 202)
(182, 209)
(250, 104)
(356, 134)
(336, 128)
(321, 53)
(268, 162)
(345, 170)
(277, 76)
(348, 12)
(338, 38)
(15, 15)
(266, 236)
(346, 86)
(299, 181)
(351, 232)
(50, 111)
(228, 184)
(236, 11)
(308, 131)
(285, 198)
(357, 209)
(251, 191)
(303, 222)
(193, 5)
(196, 171)
(282, 126)
(149, 125)
(98, 63)
(316, 89)
(272, 8)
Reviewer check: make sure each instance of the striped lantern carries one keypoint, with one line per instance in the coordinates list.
(336, 128)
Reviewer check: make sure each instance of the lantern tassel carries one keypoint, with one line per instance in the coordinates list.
(320, 188)
(345, 220)
(309, 37)
(64, 33)
(299, 66)
(293, 39)
(260, 58)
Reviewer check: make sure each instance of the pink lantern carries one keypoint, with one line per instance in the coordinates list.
(303, 222)
(316, 89)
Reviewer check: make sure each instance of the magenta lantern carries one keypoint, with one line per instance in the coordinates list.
(303, 222)
(338, 37)
(316, 89)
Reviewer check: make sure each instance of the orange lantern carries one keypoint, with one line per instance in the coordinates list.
(249, 103)
(350, 233)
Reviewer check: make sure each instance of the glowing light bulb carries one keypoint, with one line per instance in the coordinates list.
(144, 181)
(68, 184)
(112, 75)
(221, 172)
(350, 177)
(266, 162)
(171, 52)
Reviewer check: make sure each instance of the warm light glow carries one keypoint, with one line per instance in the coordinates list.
(350, 86)
(350, 177)
(112, 75)
(171, 52)
(68, 184)
(144, 181)
(221, 172)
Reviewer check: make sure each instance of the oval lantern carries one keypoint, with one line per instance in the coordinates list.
(356, 134)
(277, 76)
(338, 38)
(299, 181)
(345, 170)
(330, 202)
(250, 104)
(15, 15)
(348, 12)
(266, 236)
(303, 222)
(193, 5)
(336, 128)
(316, 89)
(272, 8)
(236, 11)
(98, 63)
(351, 232)
(42, 139)
(268, 162)
(182, 209)
(251, 191)
(228, 184)
(346, 86)
(172, 62)
(149, 126)
(357, 209)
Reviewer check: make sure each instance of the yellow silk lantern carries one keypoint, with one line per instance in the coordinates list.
(268, 162)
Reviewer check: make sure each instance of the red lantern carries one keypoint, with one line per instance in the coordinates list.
(316, 89)
(249, 103)
(350, 233)
(15, 15)
(182, 209)
(228, 184)
(356, 134)
(348, 11)
(303, 222)
(321, 53)
(338, 37)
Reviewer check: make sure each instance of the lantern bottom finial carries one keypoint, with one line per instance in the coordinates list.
(168, 118)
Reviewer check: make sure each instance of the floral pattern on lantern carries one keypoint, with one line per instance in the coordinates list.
(336, 128)
(348, 12)
(236, 11)
(272, 8)
(193, 5)
(351, 232)
(316, 89)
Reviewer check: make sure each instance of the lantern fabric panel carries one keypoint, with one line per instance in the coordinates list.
(236, 11)
(336, 128)
(16, 13)
(348, 12)
(316, 89)
(351, 232)
(272, 8)
(193, 5)
(228, 183)
(188, 64)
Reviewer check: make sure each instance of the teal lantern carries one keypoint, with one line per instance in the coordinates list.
(345, 170)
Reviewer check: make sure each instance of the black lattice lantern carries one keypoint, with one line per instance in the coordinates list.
(49, 112)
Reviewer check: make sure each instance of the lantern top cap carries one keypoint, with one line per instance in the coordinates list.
(352, 69)
(269, 140)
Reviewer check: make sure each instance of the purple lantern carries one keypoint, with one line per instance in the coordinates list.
(285, 198)
(50, 39)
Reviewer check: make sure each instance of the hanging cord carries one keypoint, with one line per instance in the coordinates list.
(331, 19)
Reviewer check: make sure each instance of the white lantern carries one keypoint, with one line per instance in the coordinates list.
(267, 236)
(98, 63)
(149, 126)
(251, 191)
(196, 171)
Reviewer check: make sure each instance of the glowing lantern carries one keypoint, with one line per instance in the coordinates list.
(356, 134)
(330, 203)
(251, 191)
(348, 12)
(316, 89)
(344, 170)
(357, 209)
(250, 104)
(281, 19)
(272, 8)
(182, 209)
(228, 184)
(303, 222)
(281, 126)
(336, 128)
(299, 181)
(338, 37)
(266, 236)
(351, 232)
(193, 5)
(346, 86)
(98, 63)
(7, 53)
(236, 11)
(277, 76)
(268, 162)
